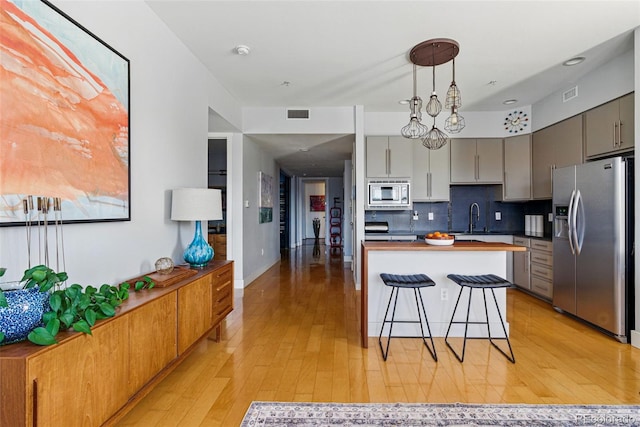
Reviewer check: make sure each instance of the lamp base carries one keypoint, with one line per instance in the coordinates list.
(199, 252)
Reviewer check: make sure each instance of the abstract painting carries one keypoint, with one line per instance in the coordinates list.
(316, 203)
(64, 117)
(265, 197)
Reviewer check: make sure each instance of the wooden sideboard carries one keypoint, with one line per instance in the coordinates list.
(96, 379)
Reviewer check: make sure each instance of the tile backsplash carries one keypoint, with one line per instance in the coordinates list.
(454, 215)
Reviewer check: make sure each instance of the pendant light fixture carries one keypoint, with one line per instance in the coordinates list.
(455, 122)
(415, 129)
(432, 53)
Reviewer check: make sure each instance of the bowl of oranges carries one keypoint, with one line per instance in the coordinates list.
(439, 239)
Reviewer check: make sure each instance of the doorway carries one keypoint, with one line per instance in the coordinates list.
(314, 210)
(285, 193)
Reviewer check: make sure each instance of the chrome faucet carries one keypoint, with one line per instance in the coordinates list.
(471, 215)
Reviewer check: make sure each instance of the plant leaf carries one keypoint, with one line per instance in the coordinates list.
(139, 285)
(82, 326)
(55, 301)
(71, 292)
(91, 316)
(1, 336)
(41, 336)
(53, 326)
(107, 309)
(46, 318)
(67, 319)
(3, 300)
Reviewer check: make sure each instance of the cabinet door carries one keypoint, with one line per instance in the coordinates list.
(567, 142)
(521, 269)
(489, 163)
(542, 163)
(439, 162)
(400, 157)
(627, 120)
(463, 160)
(152, 340)
(421, 170)
(194, 312)
(517, 168)
(377, 156)
(601, 129)
(84, 381)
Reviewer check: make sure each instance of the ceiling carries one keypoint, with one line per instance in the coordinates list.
(342, 53)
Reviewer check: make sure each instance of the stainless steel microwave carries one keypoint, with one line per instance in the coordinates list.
(389, 194)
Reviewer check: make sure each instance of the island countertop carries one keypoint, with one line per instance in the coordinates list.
(463, 257)
(458, 245)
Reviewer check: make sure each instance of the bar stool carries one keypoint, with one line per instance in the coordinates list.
(484, 282)
(409, 281)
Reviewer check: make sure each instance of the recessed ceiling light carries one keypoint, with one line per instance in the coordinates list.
(573, 61)
(304, 150)
(404, 101)
(510, 101)
(242, 50)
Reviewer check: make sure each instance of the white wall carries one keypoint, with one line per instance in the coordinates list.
(261, 242)
(610, 81)
(170, 95)
(478, 124)
(338, 120)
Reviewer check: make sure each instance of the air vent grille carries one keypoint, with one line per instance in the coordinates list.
(570, 94)
(298, 114)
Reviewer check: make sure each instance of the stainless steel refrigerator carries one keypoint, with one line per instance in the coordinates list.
(593, 243)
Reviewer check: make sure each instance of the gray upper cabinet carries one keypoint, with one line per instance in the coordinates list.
(389, 157)
(609, 127)
(517, 168)
(553, 147)
(476, 161)
(430, 180)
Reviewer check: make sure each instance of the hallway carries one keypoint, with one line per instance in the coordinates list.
(294, 336)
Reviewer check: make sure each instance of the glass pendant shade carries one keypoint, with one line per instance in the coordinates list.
(415, 129)
(434, 106)
(455, 122)
(453, 99)
(435, 138)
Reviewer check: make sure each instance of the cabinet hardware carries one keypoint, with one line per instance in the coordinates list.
(615, 125)
(620, 142)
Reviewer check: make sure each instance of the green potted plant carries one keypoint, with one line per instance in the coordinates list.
(71, 307)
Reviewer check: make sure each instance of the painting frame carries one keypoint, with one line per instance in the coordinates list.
(317, 203)
(265, 197)
(85, 165)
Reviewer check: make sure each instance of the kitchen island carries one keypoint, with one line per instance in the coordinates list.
(463, 257)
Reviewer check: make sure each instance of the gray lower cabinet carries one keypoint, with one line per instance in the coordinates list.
(521, 261)
(542, 268)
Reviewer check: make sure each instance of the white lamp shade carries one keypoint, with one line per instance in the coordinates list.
(196, 204)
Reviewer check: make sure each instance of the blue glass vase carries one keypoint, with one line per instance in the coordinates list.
(198, 253)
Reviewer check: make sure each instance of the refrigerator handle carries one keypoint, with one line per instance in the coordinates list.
(578, 233)
(571, 221)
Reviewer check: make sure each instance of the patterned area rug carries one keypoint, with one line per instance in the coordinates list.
(445, 414)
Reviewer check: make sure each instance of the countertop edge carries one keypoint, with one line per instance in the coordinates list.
(458, 246)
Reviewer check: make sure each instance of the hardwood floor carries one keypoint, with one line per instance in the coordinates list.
(294, 336)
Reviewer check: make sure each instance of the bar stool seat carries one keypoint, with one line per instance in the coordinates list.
(484, 282)
(406, 281)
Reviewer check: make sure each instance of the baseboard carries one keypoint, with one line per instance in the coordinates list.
(635, 338)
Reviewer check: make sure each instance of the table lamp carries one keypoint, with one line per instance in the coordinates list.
(197, 204)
